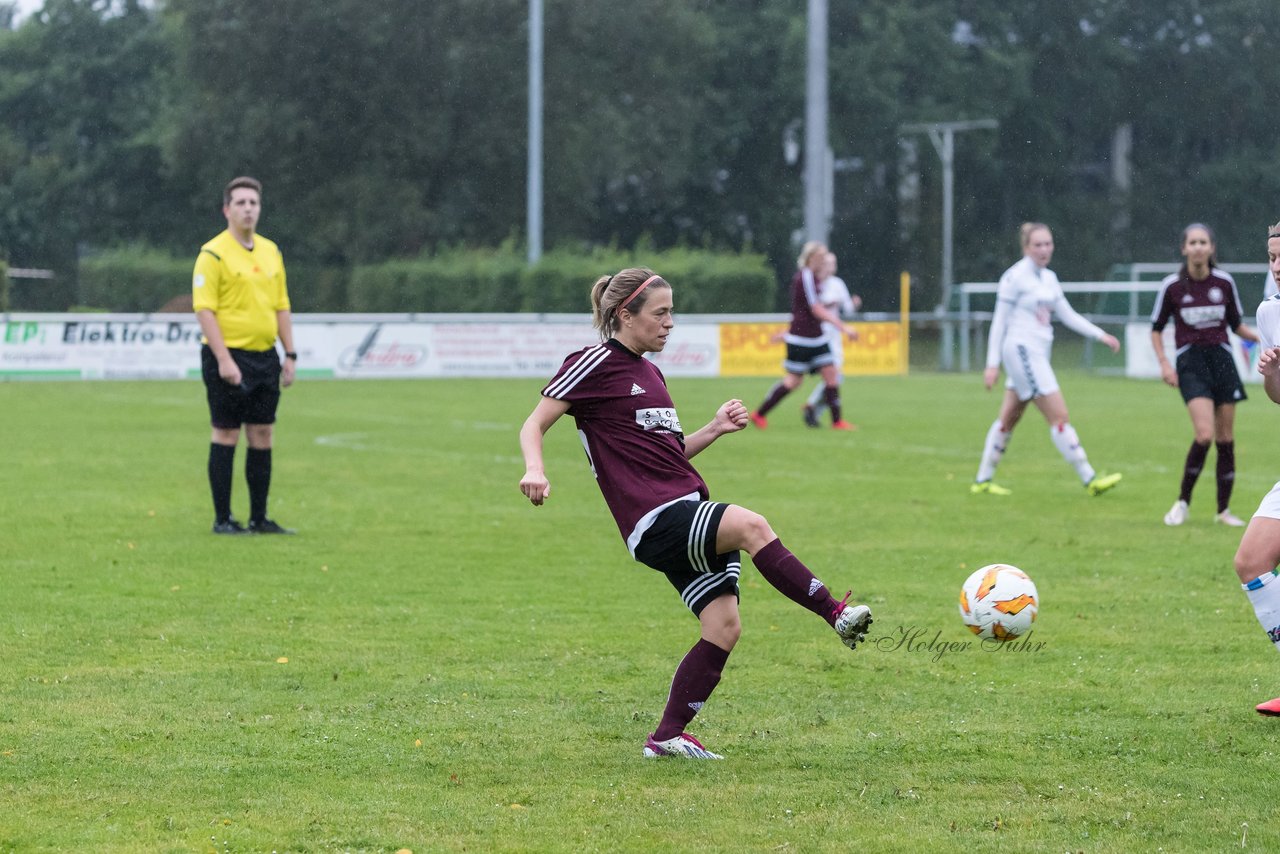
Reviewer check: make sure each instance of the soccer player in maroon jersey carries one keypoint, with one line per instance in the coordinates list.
(807, 348)
(639, 453)
(1203, 304)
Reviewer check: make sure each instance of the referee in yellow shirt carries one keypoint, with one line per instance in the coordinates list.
(242, 303)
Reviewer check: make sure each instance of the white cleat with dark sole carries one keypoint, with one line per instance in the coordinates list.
(683, 746)
(852, 624)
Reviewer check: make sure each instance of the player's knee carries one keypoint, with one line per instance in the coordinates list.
(727, 632)
(1250, 565)
(757, 532)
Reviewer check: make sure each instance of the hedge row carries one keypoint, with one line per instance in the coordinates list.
(453, 281)
(134, 280)
(4, 286)
(481, 281)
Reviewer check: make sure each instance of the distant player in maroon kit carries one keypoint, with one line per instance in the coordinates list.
(1203, 304)
(807, 348)
(640, 455)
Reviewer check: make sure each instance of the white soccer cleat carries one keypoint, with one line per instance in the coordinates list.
(1231, 520)
(683, 745)
(1177, 513)
(852, 623)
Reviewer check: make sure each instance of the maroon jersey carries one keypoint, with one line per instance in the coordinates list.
(806, 328)
(1202, 312)
(629, 427)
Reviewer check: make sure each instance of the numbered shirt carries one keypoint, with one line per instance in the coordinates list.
(1201, 312)
(1027, 301)
(630, 430)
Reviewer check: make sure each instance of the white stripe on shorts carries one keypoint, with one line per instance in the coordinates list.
(697, 589)
(698, 536)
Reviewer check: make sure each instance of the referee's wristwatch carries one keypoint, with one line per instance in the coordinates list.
(289, 355)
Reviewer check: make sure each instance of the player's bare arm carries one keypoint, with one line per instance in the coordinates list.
(1269, 367)
(534, 484)
(729, 418)
(227, 367)
(284, 323)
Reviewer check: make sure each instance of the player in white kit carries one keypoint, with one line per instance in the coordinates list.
(1259, 552)
(834, 294)
(1022, 337)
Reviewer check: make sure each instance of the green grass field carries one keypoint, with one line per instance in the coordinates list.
(433, 664)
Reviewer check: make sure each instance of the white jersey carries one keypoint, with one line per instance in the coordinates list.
(1028, 299)
(1268, 320)
(834, 294)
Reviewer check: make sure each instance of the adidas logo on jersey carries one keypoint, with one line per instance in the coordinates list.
(635, 389)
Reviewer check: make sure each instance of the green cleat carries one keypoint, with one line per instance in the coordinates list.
(1102, 483)
(986, 487)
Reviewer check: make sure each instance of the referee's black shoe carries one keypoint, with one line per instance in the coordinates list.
(266, 526)
(229, 526)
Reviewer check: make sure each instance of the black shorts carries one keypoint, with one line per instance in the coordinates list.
(254, 401)
(1209, 372)
(803, 359)
(681, 544)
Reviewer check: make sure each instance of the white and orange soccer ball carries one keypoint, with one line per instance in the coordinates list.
(999, 601)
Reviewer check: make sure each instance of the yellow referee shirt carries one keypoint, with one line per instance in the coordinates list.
(243, 288)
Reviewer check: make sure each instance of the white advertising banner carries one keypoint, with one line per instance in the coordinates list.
(1140, 359)
(101, 347)
(168, 347)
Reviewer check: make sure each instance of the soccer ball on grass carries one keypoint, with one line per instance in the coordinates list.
(999, 601)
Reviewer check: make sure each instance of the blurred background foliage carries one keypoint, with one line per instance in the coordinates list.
(393, 131)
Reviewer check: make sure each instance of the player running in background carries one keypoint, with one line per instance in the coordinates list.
(1203, 303)
(807, 347)
(639, 453)
(1022, 337)
(834, 294)
(1259, 552)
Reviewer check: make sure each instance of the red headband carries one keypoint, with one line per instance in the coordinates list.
(638, 290)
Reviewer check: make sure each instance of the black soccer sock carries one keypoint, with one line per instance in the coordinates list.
(1191, 469)
(1226, 473)
(831, 394)
(221, 460)
(257, 472)
(775, 396)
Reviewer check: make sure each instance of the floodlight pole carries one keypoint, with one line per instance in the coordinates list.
(817, 222)
(943, 137)
(533, 192)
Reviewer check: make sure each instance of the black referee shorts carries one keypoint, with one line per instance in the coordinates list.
(1209, 372)
(254, 401)
(681, 544)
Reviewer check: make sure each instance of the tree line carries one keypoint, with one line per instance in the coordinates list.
(393, 128)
